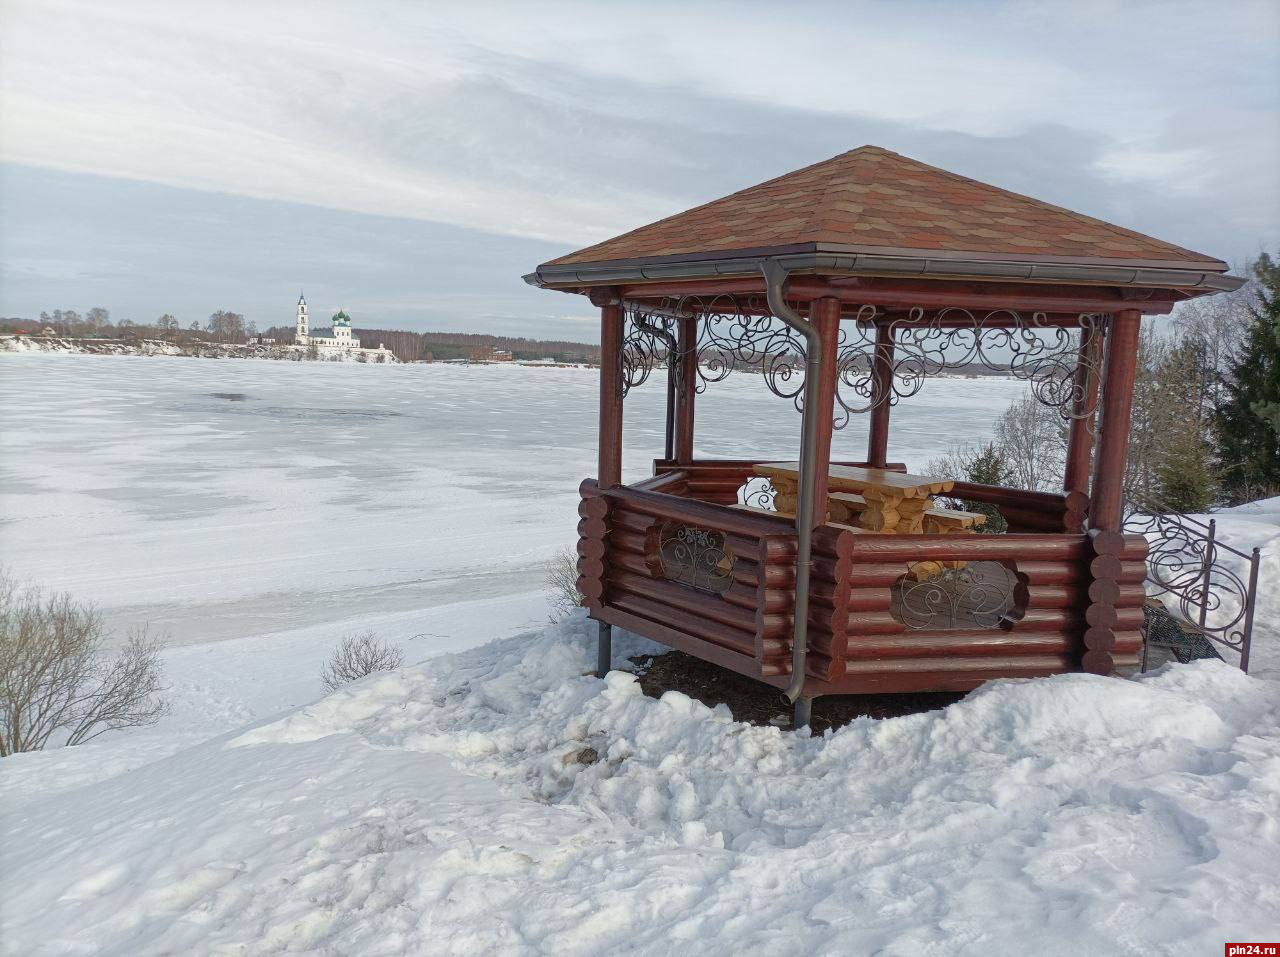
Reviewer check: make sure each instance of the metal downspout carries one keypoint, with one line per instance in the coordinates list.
(673, 357)
(775, 275)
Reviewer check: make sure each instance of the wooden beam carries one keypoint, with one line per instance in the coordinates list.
(1083, 408)
(688, 391)
(609, 472)
(825, 315)
(927, 293)
(1120, 371)
(882, 391)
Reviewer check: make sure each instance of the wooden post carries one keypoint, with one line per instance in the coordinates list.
(610, 467)
(688, 340)
(825, 315)
(1107, 500)
(1084, 407)
(881, 391)
(610, 462)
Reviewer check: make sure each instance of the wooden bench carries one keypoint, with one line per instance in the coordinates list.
(952, 521)
(845, 507)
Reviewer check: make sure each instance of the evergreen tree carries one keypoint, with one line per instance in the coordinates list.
(988, 468)
(1248, 423)
(1183, 469)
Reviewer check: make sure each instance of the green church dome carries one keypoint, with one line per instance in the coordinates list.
(340, 318)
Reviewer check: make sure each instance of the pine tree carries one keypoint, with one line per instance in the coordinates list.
(988, 468)
(1248, 423)
(1183, 473)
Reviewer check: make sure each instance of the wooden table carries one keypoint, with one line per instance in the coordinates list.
(896, 501)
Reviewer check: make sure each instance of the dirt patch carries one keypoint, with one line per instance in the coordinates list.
(758, 703)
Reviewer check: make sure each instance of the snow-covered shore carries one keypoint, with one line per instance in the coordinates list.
(453, 808)
(60, 345)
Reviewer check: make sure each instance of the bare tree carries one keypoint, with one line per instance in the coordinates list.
(357, 656)
(55, 677)
(227, 326)
(1218, 324)
(1032, 442)
(562, 582)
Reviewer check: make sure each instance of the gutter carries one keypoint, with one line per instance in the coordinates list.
(775, 276)
(826, 263)
(673, 354)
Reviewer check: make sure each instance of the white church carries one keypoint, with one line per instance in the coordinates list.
(335, 343)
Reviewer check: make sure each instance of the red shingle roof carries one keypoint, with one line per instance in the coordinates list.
(876, 201)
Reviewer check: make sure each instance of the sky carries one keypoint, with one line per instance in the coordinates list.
(411, 161)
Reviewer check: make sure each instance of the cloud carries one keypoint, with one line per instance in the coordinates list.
(569, 123)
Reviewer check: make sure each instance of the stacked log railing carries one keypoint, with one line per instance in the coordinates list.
(1028, 511)
(746, 628)
(1078, 598)
(878, 652)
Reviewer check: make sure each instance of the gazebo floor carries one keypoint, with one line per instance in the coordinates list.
(759, 704)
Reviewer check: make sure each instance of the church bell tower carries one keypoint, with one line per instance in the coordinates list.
(303, 333)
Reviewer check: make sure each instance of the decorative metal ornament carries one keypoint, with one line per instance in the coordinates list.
(978, 596)
(758, 492)
(695, 557)
(926, 344)
(737, 333)
(1186, 562)
(648, 338)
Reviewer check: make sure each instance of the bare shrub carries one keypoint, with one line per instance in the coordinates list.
(55, 677)
(562, 582)
(357, 656)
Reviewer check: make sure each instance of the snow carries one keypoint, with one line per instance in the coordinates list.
(442, 809)
(452, 806)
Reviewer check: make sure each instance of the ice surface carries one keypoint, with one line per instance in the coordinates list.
(332, 491)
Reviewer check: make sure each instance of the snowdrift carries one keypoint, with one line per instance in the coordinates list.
(501, 801)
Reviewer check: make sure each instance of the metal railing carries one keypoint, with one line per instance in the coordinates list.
(1214, 584)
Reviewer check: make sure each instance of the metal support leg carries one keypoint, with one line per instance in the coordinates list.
(604, 650)
(803, 712)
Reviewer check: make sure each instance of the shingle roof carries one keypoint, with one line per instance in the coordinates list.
(873, 200)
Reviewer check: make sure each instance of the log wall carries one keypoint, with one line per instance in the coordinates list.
(747, 628)
(1079, 596)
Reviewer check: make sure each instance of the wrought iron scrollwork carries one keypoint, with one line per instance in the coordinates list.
(648, 339)
(979, 595)
(1187, 563)
(929, 343)
(695, 557)
(731, 338)
(737, 333)
(758, 492)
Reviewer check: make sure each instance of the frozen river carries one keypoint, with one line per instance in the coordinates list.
(223, 499)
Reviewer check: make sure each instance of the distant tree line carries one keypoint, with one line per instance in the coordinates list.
(1205, 429)
(221, 326)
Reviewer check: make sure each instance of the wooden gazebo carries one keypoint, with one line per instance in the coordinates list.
(846, 285)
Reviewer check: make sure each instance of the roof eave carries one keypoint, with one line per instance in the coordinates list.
(1210, 276)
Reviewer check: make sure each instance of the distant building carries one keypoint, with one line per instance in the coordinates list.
(337, 340)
